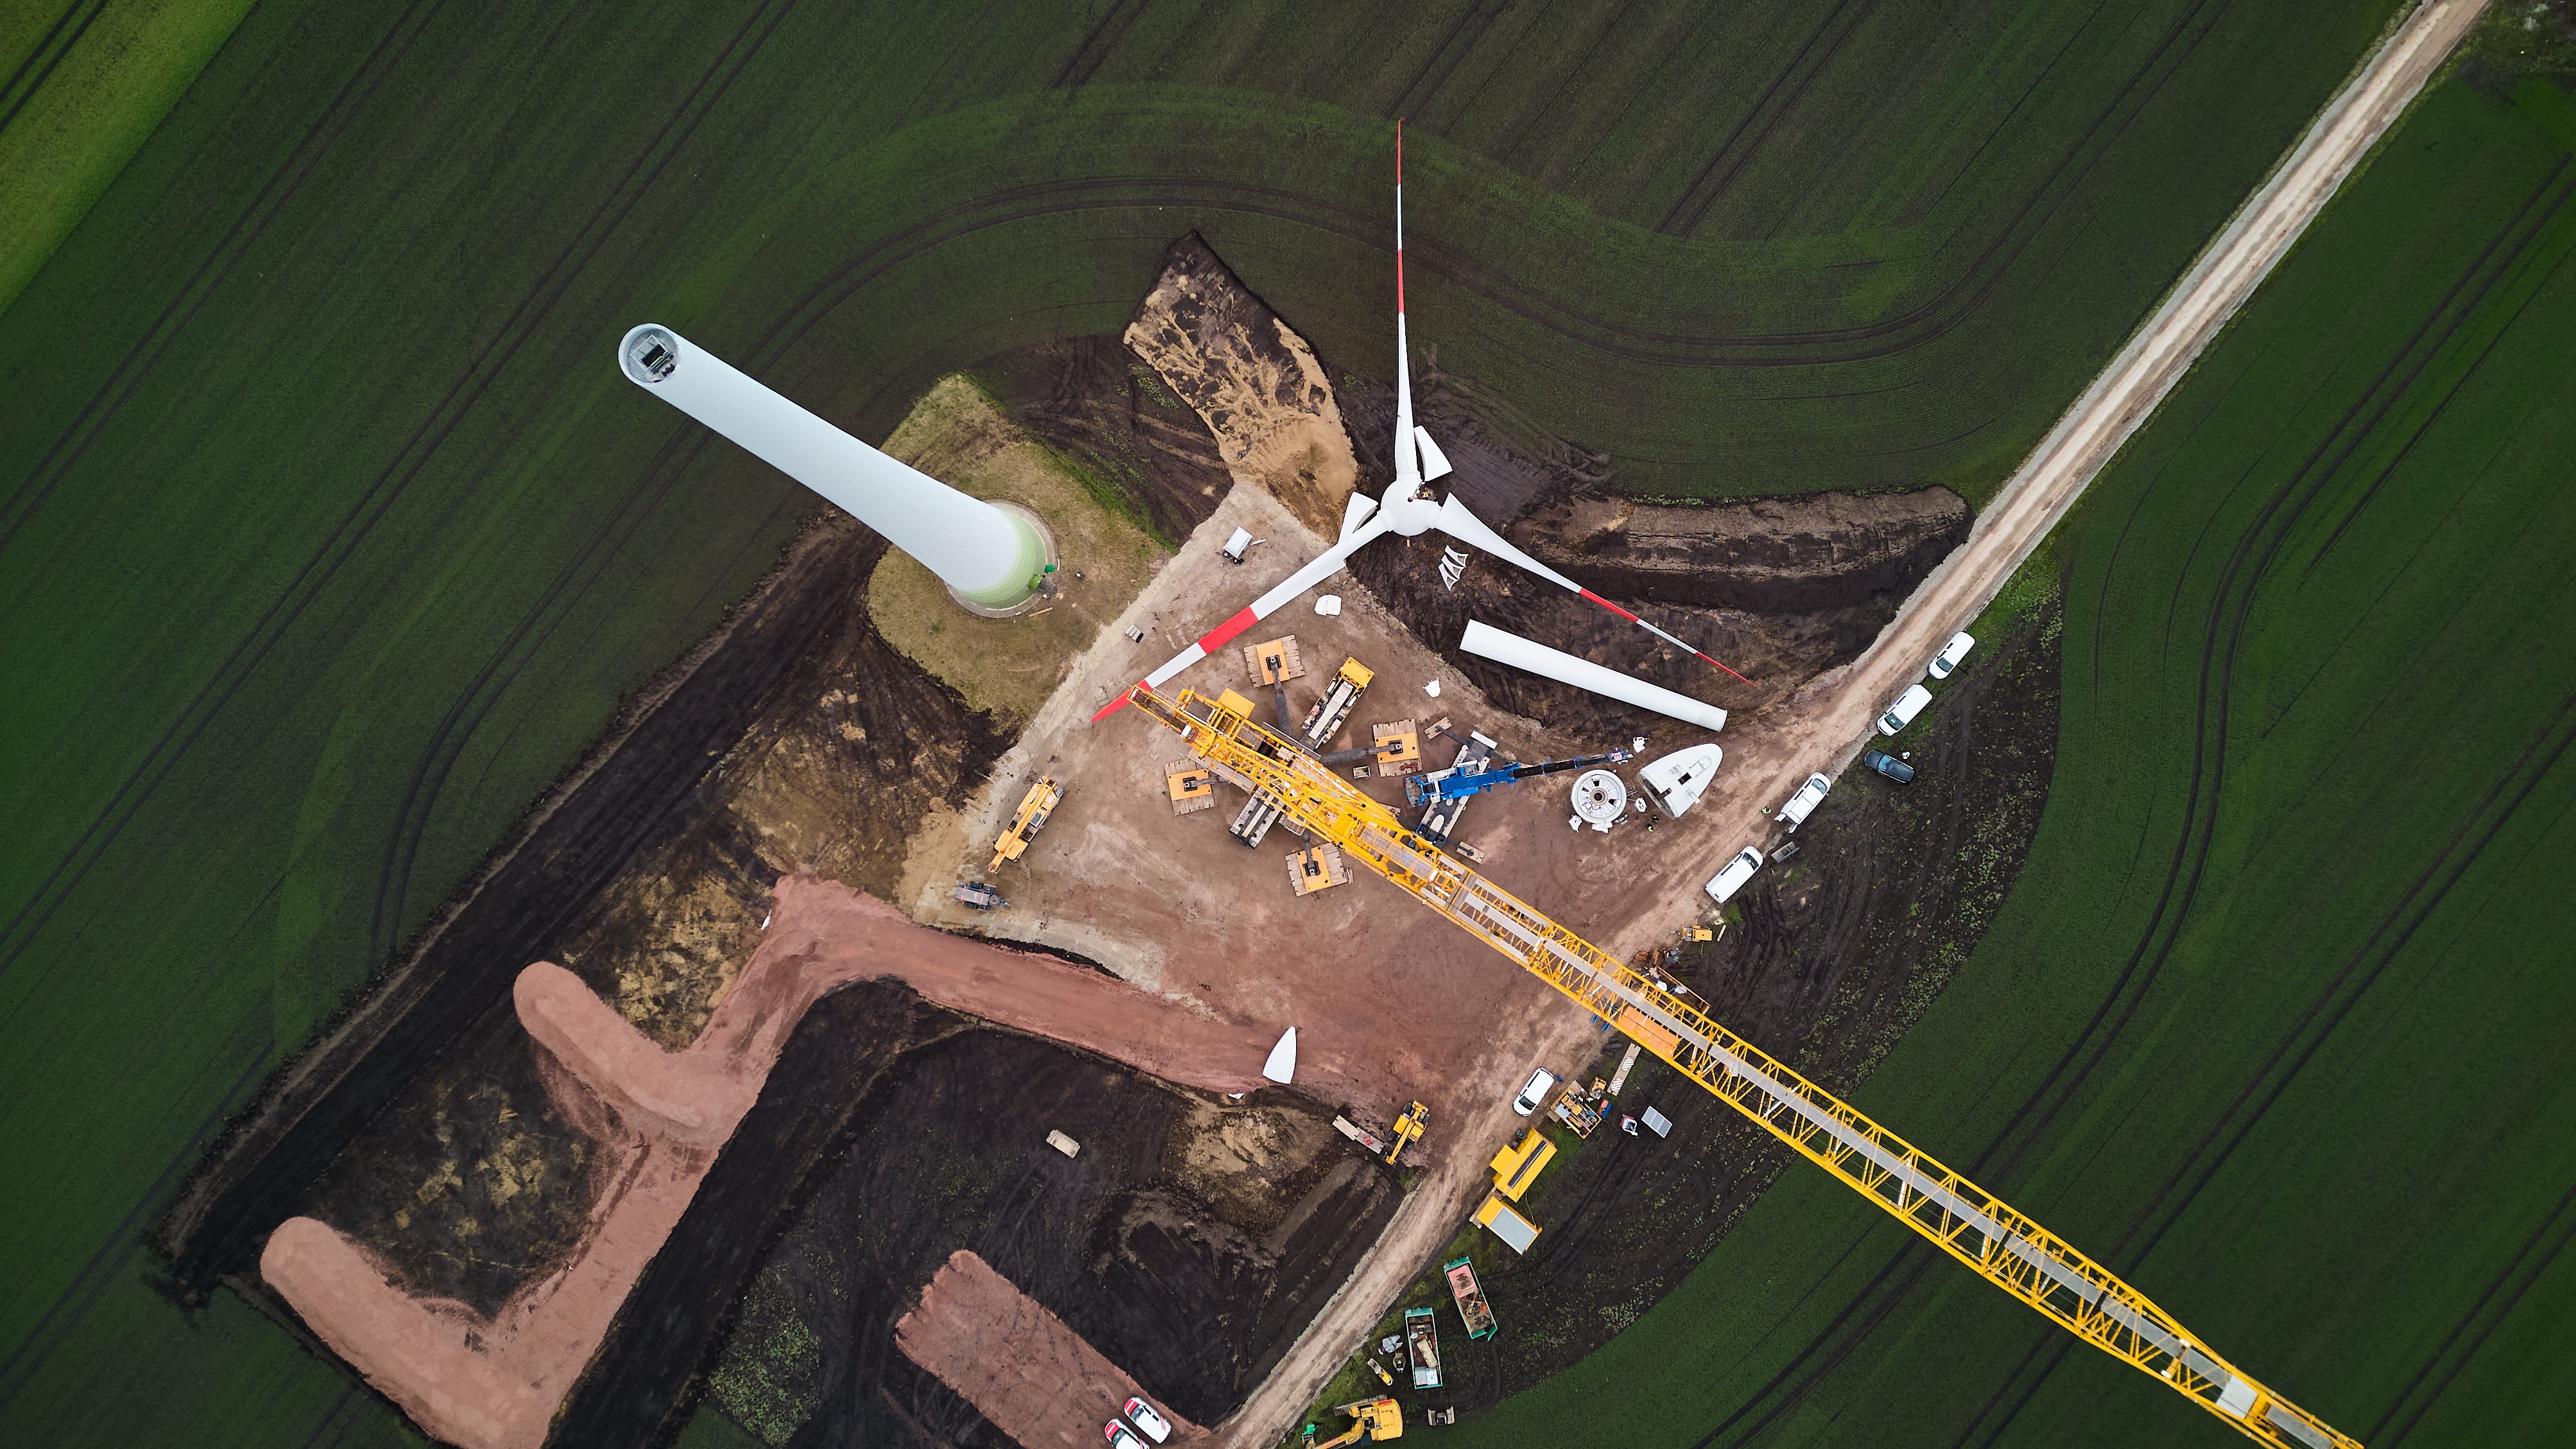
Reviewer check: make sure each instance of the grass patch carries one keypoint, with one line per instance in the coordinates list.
(1008, 667)
(2273, 1020)
(88, 81)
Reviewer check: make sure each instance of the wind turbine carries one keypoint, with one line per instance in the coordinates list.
(1405, 509)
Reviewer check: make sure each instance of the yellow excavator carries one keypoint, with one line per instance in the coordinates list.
(1408, 1129)
(1379, 1419)
(1034, 809)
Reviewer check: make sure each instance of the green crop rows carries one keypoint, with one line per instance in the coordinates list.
(2274, 1022)
(328, 534)
(86, 82)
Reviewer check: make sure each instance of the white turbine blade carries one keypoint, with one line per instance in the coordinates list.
(1324, 566)
(1408, 473)
(1435, 464)
(1468, 529)
(1355, 511)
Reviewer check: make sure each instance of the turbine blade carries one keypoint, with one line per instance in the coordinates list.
(1435, 464)
(1466, 527)
(1323, 566)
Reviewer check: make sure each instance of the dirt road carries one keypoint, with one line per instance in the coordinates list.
(1018, 1364)
(1826, 724)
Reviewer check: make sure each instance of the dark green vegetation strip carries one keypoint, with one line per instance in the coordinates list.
(2274, 1020)
(329, 534)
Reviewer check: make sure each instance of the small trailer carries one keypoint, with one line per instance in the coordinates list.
(1497, 1217)
(979, 895)
(1471, 1299)
(1422, 1347)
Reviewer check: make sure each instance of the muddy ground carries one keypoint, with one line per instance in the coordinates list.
(1188, 1241)
(420, 1052)
(1779, 589)
(1833, 958)
(1100, 403)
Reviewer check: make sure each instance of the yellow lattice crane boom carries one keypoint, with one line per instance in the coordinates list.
(1965, 1221)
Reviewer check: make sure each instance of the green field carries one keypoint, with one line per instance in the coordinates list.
(87, 81)
(2274, 1022)
(328, 534)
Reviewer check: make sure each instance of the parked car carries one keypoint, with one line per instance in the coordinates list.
(1888, 765)
(1120, 1437)
(1156, 1427)
(1902, 713)
(1950, 655)
(1723, 885)
(1541, 1083)
(1809, 796)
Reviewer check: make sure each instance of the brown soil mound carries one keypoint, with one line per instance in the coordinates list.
(1776, 555)
(1254, 382)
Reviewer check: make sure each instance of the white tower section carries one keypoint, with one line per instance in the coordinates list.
(988, 557)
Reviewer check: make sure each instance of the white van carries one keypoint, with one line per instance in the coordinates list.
(1722, 886)
(1801, 805)
(1950, 655)
(1902, 713)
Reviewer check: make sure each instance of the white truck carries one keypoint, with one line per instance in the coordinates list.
(1802, 804)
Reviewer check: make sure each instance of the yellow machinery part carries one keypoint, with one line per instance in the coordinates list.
(1972, 1225)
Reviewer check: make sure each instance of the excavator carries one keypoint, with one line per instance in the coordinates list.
(1379, 1419)
(1408, 1129)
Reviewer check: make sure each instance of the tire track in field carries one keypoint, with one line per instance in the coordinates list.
(2562, 1218)
(571, 582)
(1841, 1335)
(38, 67)
(1692, 207)
(1098, 44)
(2368, 961)
(506, 343)
(29, 920)
(2350, 432)
(31, 492)
(1445, 58)
(109, 1261)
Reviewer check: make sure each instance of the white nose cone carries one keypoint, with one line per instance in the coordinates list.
(1283, 1058)
(1682, 776)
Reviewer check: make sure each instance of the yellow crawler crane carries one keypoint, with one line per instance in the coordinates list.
(1965, 1221)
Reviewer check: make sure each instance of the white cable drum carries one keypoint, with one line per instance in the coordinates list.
(1488, 642)
(982, 552)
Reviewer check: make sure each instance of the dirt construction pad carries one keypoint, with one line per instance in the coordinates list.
(1015, 1362)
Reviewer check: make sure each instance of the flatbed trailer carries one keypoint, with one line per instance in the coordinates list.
(1341, 696)
(1472, 1308)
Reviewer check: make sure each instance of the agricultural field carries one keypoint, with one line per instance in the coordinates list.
(86, 82)
(2273, 1021)
(331, 536)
